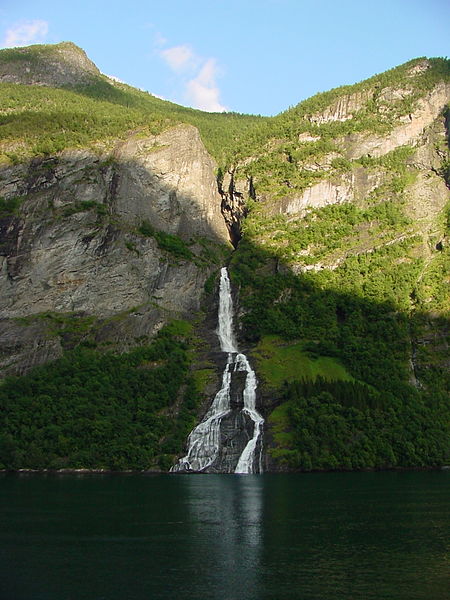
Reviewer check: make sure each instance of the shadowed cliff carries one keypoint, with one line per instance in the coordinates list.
(135, 233)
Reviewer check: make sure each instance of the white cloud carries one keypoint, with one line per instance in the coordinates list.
(25, 33)
(203, 91)
(179, 58)
(196, 74)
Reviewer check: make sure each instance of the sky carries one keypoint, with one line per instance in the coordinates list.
(248, 56)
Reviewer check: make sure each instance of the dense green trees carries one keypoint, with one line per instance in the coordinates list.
(345, 425)
(367, 314)
(102, 410)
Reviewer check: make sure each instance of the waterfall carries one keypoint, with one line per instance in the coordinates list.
(225, 318)
(204, 443)
(246, 460)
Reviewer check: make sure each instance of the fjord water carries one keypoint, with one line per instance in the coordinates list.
(331, 536)
(205, 440)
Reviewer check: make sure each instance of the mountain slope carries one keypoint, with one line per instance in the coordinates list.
(347, 236)
(54, 98)
(59, 65)
(114, 220)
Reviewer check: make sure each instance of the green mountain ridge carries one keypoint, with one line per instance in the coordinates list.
(339, 211)
(77, 111)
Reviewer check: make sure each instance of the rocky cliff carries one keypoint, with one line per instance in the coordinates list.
(114, 219)
(77, 245)
(321, 168)
(63, 64)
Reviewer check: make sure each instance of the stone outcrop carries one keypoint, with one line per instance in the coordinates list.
(425, 130)
(174, 172)
(345, 188)
(63, 64)
(409, 131)
(235, 432)
(25, 346)
(343, 108)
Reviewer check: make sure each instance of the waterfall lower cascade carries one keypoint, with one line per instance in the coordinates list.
(229, 438)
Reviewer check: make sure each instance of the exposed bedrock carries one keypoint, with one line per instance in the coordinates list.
(74, 246)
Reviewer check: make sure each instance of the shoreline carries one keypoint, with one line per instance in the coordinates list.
(81, 471)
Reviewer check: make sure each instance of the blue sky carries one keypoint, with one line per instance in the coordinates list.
(253, 56)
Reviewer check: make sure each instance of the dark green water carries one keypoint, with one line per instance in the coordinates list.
(308, 537)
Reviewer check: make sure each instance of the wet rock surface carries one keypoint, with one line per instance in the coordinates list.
(236, 430)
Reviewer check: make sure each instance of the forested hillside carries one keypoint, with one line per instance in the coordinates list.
(345, 251)
(94, 112)
(339, 211)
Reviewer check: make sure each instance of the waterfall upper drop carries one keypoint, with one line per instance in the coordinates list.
(229, 438)
(225, 319)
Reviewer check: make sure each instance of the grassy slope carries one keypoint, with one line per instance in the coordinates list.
(279, 361)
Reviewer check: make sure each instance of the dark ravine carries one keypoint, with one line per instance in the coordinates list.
(233, 205)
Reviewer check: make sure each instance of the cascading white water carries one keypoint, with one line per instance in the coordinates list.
(225, 319)
(204, 440)
(246, 460)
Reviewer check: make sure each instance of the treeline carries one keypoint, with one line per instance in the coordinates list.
(102, 410)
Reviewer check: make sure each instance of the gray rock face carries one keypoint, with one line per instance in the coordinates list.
(74, 245)
(409, 130)
(23, 347)
(424, 128)
(176, 174)
(342, 109)
(59, 65)
(236, 430)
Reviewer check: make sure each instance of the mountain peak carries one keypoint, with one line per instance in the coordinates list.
(63, 64)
